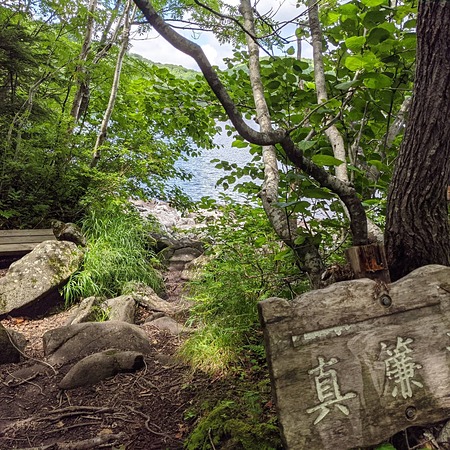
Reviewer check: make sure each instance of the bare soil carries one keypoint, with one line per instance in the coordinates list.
(143, 410)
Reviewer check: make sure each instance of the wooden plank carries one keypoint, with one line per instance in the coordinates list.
(16, 249)
(355, 363)
(25, 239)
(32, 232)
(21, 242)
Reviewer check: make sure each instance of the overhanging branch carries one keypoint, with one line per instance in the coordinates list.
(345, 191)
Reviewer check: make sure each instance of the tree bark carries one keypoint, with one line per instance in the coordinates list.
(417, 226)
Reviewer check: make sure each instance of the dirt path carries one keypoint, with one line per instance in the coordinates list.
(143, 410)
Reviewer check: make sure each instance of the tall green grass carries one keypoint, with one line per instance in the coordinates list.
(117, 253)
(248, 264)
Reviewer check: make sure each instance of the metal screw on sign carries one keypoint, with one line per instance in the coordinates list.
(411, 412)
(385, 300)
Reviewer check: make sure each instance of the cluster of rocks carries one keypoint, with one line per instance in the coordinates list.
(101, 336)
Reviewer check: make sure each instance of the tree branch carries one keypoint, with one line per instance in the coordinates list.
(345, 192)
(196, 52)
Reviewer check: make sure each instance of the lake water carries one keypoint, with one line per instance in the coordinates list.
(206, 175)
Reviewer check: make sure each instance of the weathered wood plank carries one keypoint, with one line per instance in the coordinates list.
(20, 242)
(369, 261)
(359, 361)
(31, 232)
(25, 239)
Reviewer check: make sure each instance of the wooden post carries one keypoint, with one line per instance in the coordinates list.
(369, 261)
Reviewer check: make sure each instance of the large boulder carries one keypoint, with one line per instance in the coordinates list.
(38, 275)
(71, 343)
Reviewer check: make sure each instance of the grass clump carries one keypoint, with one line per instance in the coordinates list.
(117, 253)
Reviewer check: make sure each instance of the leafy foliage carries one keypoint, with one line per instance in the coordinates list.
(45, 157)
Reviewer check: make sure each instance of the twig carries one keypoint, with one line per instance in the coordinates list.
(210, 439)
(18, 383)
(56, 414)
(69, 427)
(147, 426)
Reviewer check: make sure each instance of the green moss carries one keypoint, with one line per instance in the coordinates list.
(229, 426)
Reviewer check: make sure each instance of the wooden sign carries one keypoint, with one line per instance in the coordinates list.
(356, 362)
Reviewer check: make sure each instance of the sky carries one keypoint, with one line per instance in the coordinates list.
(156, 49)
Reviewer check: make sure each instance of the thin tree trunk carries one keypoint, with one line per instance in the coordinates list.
(101, 137)
(417, 226)
(80, 70)
(286, 229)
(333, 134)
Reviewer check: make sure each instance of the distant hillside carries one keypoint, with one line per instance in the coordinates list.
(178, 71)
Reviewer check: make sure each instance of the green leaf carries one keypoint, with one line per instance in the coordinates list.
(306, 145)
(274, 84)
(315, 192)
(377, 35)
(372, 3)
(349, 9)
(377, 81)
(357, 62)
(326, 160)
(355, 43)
(291, 78)
(239, 144)
(290, 50)
(374, 17)
(347, 85)
(385, 447)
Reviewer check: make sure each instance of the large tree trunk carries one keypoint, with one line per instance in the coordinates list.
(417, 227)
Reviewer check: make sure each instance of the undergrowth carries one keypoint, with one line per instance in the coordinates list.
(117, 253)
(247, 265)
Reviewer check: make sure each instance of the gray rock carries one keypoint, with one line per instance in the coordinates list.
(170, 325)
(71, 343)
(444, 434)
(68, 232)
(11, 344)
(185, 254)
(85, 312)
(193, 269)
(121, 308)
(38, 274)
(147, 297)
(97, 367)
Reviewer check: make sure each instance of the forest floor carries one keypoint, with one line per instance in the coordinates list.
(150, 409)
